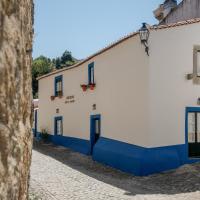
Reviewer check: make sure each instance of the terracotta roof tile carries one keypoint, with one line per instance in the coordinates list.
(181, 23)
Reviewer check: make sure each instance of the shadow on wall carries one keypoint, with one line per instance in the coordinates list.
(182, 180)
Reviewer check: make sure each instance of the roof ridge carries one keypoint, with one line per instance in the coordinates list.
(179, 23)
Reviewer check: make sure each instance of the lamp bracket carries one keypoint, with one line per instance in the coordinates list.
(146, 47)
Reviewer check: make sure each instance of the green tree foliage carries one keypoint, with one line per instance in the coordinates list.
(43, 65)
(67, 56)
(40, 66)
(58, 63)
(65, 60)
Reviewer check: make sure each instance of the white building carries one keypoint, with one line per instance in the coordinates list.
(143, 115)
(169, 12)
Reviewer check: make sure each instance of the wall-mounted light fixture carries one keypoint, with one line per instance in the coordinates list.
(144, 36)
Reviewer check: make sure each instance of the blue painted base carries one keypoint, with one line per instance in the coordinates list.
(137, 160)
(76, 144)
(129, 158)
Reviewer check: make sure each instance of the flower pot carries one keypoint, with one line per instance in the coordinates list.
(52, 98)
(92, 86)
(84, 87)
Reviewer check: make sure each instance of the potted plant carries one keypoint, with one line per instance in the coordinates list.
(84, 87)
(44, 135)
(92, 86)
(52, 97)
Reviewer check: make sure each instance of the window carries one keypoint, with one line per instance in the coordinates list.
(196, 55)
(198, 62)
(191, 127)
(58, 86)
(58, 126)
(91, 73)
(97, 126)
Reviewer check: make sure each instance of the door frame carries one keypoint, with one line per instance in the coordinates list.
(35, 120)
(55, 124)
(92, 129)
(189, 110)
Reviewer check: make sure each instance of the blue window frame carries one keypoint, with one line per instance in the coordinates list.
(91, 73)
(58, 86)
(192, 138)
(58, 125)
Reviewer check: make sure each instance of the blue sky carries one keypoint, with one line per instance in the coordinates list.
(85, 26)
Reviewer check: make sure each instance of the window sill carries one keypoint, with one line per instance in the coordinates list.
(59, 96)
(91, 86)
(53, 97)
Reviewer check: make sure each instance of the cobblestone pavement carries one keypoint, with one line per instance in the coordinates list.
(58, 174)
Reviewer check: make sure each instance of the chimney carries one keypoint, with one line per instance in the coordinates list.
(164, 9)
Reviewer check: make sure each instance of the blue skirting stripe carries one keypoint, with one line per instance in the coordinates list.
(76, 144)
(125, 157)
(139, 160)
(129, 158)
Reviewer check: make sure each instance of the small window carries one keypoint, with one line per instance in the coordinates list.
(191, 127)
(58, 126)
(91, 73)
(196, 64)
(97, 126)
(58, 86)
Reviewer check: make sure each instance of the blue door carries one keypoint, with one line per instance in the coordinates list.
(95, 130)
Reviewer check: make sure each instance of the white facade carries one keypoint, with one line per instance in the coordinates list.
(120, 96)
(170, 92)
(142, 99)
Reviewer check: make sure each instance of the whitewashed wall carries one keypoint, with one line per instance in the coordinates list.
(171, 58)
(141, 99)
(121, 76)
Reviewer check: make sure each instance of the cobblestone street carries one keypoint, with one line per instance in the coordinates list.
(58, 173)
